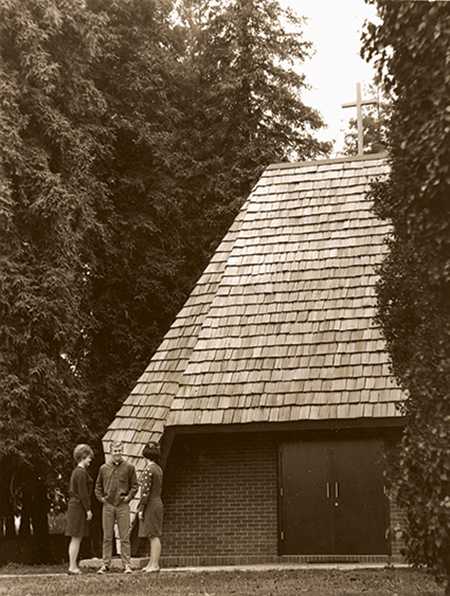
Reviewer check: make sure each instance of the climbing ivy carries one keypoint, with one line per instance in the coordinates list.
(411, 49)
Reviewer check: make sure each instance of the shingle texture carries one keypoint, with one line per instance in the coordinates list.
(280, 325)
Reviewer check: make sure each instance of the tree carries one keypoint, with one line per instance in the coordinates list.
(49, 142)
(141, 276)
(245, 102)
(411, 48)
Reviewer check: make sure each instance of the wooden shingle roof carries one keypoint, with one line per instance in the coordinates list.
(280, 325)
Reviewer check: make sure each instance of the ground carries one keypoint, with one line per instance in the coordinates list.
(380, 582)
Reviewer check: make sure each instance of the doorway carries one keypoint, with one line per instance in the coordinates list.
(332, 499)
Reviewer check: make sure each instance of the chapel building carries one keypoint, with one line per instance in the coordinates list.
(271, 393)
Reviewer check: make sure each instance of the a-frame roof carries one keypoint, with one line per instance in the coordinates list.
(280, 325)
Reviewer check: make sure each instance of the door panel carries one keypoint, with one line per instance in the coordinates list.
(361, 507)
(306, 502)
(333, 501)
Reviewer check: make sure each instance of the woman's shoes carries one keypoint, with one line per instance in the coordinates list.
(150, 570)
(74, 572)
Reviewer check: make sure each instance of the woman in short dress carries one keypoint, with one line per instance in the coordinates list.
(79, 507)
(150, 508)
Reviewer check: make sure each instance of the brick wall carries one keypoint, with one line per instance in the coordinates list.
(221, 500)
(397, 524)
(220, 496)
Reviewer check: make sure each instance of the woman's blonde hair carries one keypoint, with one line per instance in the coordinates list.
(81, 451)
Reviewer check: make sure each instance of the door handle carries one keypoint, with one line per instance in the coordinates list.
(328, 490)
(336, 490)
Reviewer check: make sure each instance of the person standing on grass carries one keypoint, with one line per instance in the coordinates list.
(79, 511)
(115, 486)
(150, 508)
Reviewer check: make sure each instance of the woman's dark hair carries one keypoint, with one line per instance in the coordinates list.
(152, 451)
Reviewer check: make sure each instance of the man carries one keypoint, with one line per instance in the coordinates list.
(115, 486)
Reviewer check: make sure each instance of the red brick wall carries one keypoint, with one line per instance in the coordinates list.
(220, 496)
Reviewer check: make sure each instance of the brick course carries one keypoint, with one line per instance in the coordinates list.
(220, 496)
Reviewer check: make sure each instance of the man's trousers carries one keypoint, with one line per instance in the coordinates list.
(121, 515)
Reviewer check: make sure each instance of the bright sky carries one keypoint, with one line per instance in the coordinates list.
(334, 27)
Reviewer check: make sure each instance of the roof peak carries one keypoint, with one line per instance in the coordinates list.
(319, 162)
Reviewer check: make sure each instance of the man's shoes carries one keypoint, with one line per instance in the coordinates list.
(103, 569)
(127, 569)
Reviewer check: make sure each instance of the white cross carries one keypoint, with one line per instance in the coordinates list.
(359, 119)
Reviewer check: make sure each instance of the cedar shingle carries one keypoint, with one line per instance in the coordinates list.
(280, 325)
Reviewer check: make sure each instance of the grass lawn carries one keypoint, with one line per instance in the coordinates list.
(320, 582)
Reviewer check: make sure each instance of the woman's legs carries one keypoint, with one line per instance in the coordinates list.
(74, 549)
(155, 553)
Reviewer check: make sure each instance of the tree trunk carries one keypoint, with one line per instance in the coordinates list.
(25, 519)
(10, 526)
(7, 525)
(96, 532)
(39, 521)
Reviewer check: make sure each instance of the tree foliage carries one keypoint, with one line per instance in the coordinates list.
(411, 49)
(47, 204)
(141, 274)
(49, 144)
(245, 102)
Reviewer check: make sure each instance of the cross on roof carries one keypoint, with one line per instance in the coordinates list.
(359, 120)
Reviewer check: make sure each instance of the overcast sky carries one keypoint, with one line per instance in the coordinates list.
(334, 27)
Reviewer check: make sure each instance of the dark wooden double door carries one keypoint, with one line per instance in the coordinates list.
(333, 500)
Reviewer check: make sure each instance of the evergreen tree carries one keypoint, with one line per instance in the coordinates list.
(140, 279)
(244, 102)
(411, 47)
(49, 114)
